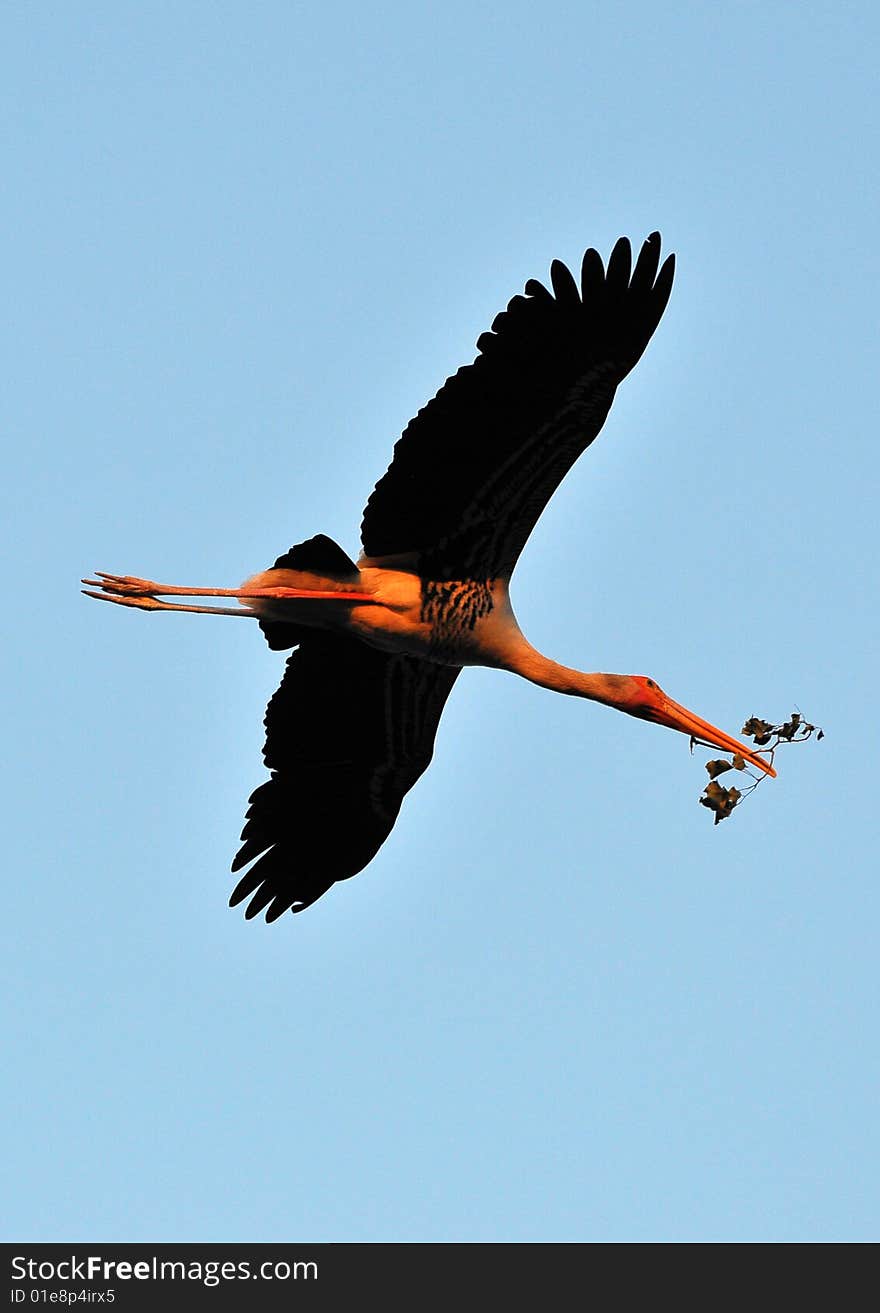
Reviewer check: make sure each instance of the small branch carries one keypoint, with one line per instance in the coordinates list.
(722, 800)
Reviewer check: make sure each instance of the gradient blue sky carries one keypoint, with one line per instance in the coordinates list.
(244, 244)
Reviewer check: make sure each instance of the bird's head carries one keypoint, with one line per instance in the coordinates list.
(641, 696)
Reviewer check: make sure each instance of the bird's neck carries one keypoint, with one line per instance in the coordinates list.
(527, 661)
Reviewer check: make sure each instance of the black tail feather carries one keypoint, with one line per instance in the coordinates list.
(321, 555)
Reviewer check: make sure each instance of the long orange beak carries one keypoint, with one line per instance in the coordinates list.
(667, 712)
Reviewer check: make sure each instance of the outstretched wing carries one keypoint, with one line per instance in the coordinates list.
(476, 467)
(348, 733)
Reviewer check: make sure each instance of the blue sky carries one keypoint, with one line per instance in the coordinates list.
(244, 244)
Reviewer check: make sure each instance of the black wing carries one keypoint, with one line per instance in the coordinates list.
(348, 733)
(476, 467)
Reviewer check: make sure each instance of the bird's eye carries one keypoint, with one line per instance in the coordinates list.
(650, 683)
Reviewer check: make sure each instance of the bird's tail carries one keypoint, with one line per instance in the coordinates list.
(319, 555)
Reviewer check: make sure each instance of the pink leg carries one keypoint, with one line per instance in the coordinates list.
(129, 590)
(144, 603)
(131, 586)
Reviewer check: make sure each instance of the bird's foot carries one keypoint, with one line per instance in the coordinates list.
(142, 602)
(125, 585)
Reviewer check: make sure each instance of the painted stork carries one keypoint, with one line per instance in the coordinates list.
(379, 644)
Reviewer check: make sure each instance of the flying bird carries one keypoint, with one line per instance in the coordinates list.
(378, 643)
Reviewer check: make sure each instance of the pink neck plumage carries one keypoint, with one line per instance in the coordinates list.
(637, 695)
